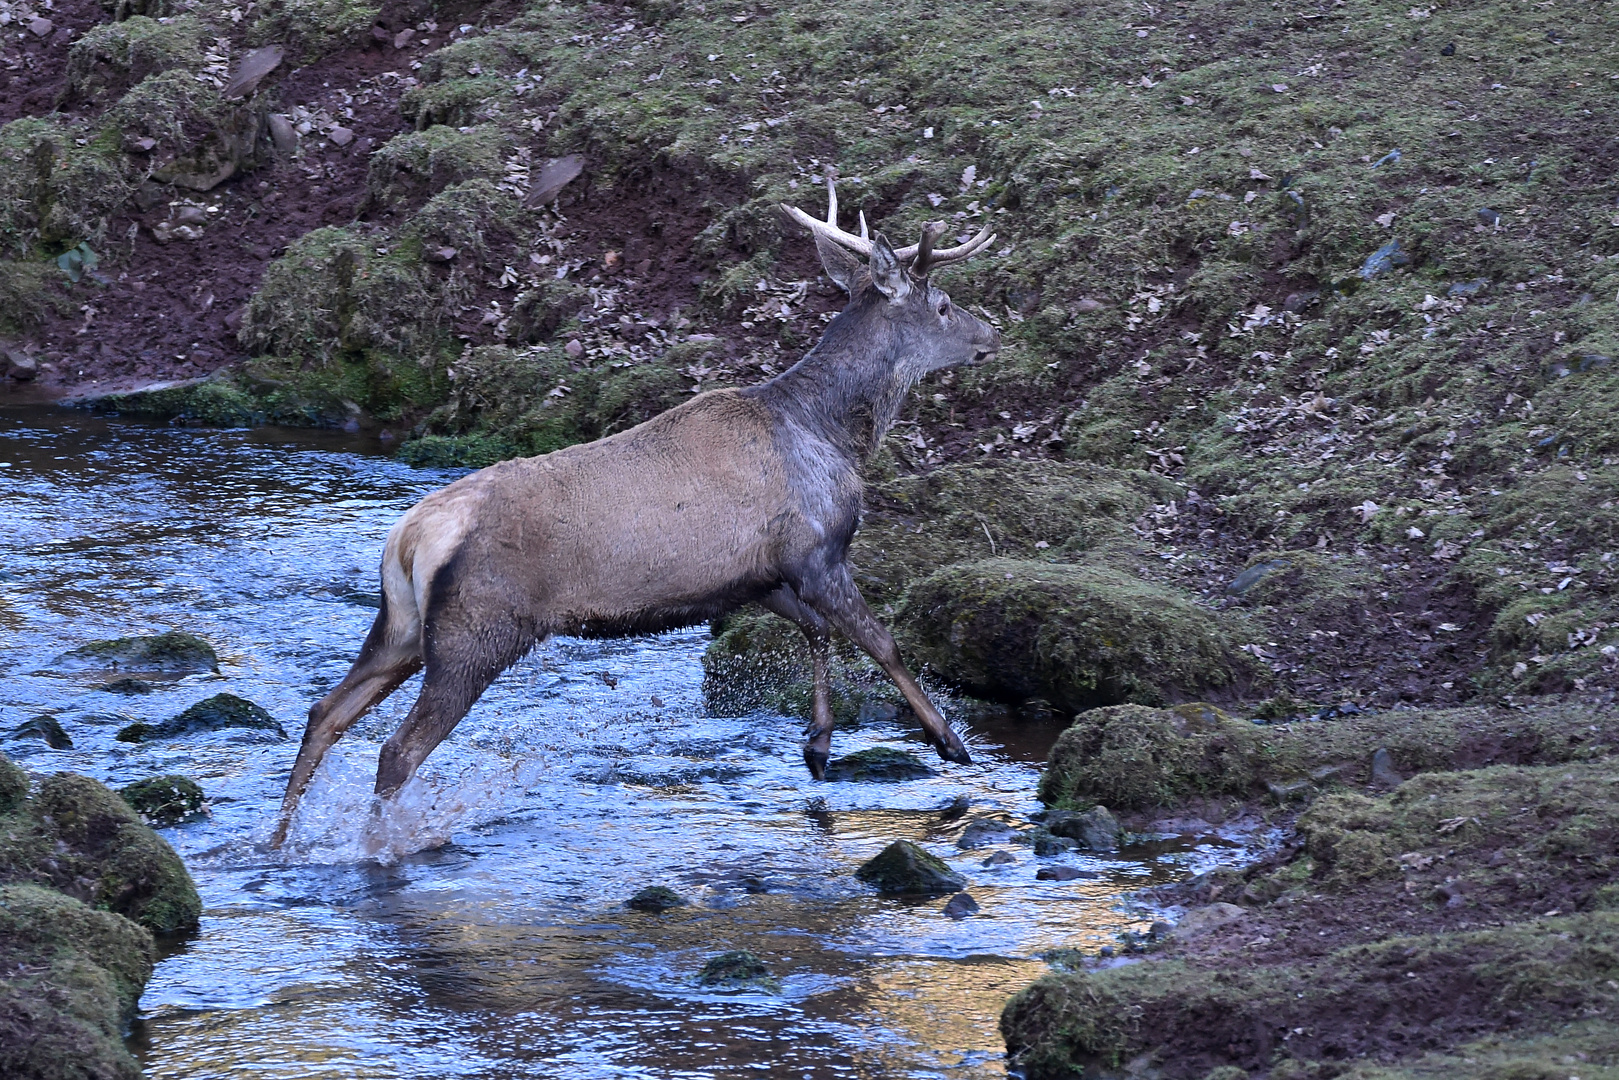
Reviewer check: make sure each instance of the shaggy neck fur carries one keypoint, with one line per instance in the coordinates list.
(851, 386)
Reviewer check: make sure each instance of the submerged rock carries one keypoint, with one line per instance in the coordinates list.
(171, 653)
(164, 800)
(879, 763)
(737, 966)
(44, 727)
(129, 687)
(655, 899)
(902, 868)
(1094, 830)
(960, 906)
(211, 714)
(981, 832)
(1047, 845)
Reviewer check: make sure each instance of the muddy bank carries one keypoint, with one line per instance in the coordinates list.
(1420, 927)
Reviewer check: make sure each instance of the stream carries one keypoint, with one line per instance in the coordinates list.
(479, 928)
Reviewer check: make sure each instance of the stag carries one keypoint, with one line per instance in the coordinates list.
(735, 496)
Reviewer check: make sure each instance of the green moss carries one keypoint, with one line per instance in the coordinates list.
(28, 292)
(732, 968)
(1531, 979)
(111, 57)
(903, 869)
(201, 138)
(1076, 636)
(211, 714)
(173, 651)
(13, 786)
(655, 899)
(419, 164)
(74, 976)
(1137, 758)
(54, 192)
(164, 800)
(312, 28)
(878, 763)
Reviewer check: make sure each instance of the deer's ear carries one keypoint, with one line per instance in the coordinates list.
(839, 262)
(887, 272)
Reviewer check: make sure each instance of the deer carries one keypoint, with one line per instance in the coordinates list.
(737, 496)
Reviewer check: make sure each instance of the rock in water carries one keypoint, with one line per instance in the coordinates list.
(44, 727)
(1064, 873)
(737, 966)
(1000, 858)
(172, 653)
(1384, 775)
(211, 714)
(960, 906)
(903, 869)
(1094, 830)
(982, 832)
(1200, 921)
(164, 800)
(655, 899)
(879, 763)
(1046, 844)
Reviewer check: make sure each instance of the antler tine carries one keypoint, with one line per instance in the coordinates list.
(865, 233)
(924, 250)
(860, 245)
(961, 252)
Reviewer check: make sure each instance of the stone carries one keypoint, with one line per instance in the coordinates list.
(282, 134)
(1047, 844)
(1094, 830)
(128, 686)
(960, 906)
(142, 145)
(551, 178)
(440, 255)
(162, 801)
(211, 714)
(45, 728)
(1384, 775)
(736, 966)
(880, 764)
(1000, 858)
(982, 832)
(1296, 791)
(1065, 873)
(21, 367)
(655, 899)
(903, 869)
(340, 135)
(402, 38)
(255, 65)
(40, 26)
(574, 349)
(1199, 921)
(171, 653)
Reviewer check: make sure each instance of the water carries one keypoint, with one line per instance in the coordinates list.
(478, 930)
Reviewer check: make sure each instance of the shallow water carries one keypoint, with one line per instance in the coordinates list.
(478, 929)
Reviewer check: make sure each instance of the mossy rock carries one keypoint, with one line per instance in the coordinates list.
(80, 838)
(112, 57)
(219, 400)
(1532, 977)
(418, 164)
(878, 764)
(172, 653)
(164, 800)
(29, 291)
(313, 28)
(54, 192)
(733, 968)
(202, 139)
(903, 869)
(211, 714)
(759, 662)
(13, 786)
(913, 525)
(73, 978)
(1077, 636)
(45, 728)
(655, 900)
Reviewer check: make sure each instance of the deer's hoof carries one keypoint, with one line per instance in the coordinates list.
(957, 754)
(815, 761)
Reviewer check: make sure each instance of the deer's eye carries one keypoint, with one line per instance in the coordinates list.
(944, 309)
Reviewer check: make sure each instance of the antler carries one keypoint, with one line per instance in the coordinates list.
(925, 258)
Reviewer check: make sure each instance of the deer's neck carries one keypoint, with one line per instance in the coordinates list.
(845, 390)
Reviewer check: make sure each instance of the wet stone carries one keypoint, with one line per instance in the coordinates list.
(164, 800)
(1000, 858)
(129, 687)
(211, 714)
(881, 764)
(1065, 873)
(1047, 844)
(1094, 830)
(737, 966)
(655, 899)
(47, 729)
(982, 832)
(173, 653)
(902, 868)
(960, 906)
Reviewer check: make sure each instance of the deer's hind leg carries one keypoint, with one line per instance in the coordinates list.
(818, 733)
(389, 656)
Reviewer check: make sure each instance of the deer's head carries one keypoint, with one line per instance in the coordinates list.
(890, 287)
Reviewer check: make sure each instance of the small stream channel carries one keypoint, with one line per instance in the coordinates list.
(481, 930)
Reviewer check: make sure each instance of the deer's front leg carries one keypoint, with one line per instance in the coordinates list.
(818, 734)
(834, 595)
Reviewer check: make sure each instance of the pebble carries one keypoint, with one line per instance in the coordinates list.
(40, 26)
(342, 136)
(282, 134)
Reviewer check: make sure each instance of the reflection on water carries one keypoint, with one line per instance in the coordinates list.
(587, 772)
